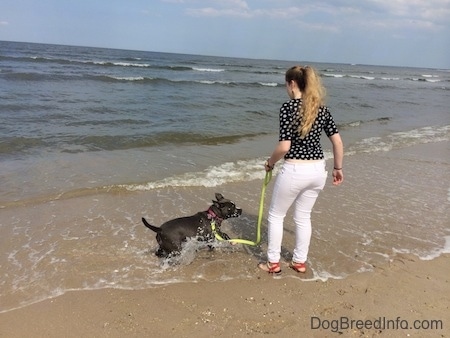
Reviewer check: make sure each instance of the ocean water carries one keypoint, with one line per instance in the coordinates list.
(93, 139)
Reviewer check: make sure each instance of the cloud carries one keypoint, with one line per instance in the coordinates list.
(438, 15)
(214, 12)
(429, 14)
(220, 8)
(434, 12)
(4, 23)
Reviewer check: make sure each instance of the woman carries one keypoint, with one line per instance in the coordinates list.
(303, 174)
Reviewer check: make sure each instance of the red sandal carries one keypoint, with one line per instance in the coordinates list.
(299, 267)
(270, 267)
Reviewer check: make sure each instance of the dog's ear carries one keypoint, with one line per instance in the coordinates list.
(219, 197)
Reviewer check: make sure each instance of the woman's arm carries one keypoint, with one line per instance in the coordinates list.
(280, 150)
(338, 154)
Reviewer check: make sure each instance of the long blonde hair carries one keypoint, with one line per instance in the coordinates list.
(313, 95)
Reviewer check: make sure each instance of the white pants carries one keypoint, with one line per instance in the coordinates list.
(299, 183)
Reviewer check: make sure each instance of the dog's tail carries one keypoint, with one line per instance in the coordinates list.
(151, 227)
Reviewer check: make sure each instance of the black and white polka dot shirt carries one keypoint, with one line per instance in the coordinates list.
(308, 148)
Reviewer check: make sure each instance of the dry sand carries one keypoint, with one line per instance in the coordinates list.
(401, 292)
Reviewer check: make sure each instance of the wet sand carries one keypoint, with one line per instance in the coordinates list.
(380, 303)
(401, 203)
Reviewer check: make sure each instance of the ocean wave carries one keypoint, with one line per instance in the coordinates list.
(127, 79)
(352, 76)
(10, 74)
(10, 146)
(362, 77)
(14, 145)
(247, 170)
(381, 120)
(212, 82)
(402, 139)
(114, 122)
(268, 84)
(424, 78)
(114, 78)
(210, 177)
(208, 70)
(146, 80)
(114, 142)
(121, 64)
(127, 62)
(338, 76)
(41, 59)
(25, 76)
(213, 176)
(132, 59)
(234, 83)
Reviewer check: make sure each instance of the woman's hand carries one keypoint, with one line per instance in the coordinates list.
(268, 167)
(338, 176)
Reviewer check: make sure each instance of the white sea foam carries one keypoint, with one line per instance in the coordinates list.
(128, 78)
(247, 170)
(401, 139)
(268, 84)
(323, 276)
(127, 64)
(425, 79)
(210, 177)
(208, 70)
(110, 63)
(214, 82)
(427, 256)
(362, 77)
(446, 248)
(334, 75)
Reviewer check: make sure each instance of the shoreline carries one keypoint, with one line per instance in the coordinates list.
(404, 291)
(392, 203)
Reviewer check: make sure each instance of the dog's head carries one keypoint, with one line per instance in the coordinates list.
(224, 208)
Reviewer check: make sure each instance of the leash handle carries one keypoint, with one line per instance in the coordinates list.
(266, 181)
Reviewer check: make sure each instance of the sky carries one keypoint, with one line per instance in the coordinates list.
(375, 32)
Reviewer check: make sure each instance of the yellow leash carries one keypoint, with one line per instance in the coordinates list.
(260, 216)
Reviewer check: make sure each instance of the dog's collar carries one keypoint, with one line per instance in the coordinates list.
(212, 215)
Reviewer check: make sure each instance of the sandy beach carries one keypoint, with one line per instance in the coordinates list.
(390, 302)
(224, 294)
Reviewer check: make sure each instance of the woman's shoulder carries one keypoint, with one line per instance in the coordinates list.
(324, 110)
(292, 103)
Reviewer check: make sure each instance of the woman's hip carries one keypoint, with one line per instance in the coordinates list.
(314, 167)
